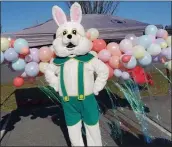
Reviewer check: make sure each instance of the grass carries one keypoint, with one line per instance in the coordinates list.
(160, 88)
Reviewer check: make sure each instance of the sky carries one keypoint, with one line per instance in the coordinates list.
(19, 15)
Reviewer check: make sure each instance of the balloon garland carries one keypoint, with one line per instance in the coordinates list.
(125, 60)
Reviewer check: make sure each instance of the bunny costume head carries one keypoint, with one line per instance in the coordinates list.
(70, 36)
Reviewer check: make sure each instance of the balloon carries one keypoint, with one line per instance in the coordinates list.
(125, 75)
(135, 41)
(163, 45)
(5, 44)
(125, 44)
(113, 48)
(28, 58)
(42, 66)
(93, 34)
(24, 75)
(146, 60)
(34, 52)
(131, 64)
(98, 45)
(145, 41)
(10, 55)
(151, 30)
(117, 73)
(153, 38)
(24, 51)
(130, 37)
(168, 54)
(32, 69)
(159, 40)
(161, 33)
(155, 58)
(129, 52)
(2, 57)
(154, 49)
(169, 65)
(93, 53)
(125, 58)
(104, 55)
(19, 64)
(19, 44)
(12, 43)
(45, 54)
(168, 40)
(110, 71)
(18, 82)
(114, 61)
(139, 51)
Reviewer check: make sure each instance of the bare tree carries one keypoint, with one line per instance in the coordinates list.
(97, 7)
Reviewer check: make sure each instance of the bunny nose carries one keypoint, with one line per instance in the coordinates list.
(69, 36)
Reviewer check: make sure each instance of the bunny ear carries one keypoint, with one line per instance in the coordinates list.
(58, 15)
(76, 12)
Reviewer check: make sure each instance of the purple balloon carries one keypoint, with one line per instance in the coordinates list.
(155, 58)
(34, 52)
(10, 55)
(32, 69)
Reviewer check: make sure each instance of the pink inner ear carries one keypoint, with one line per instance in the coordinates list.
(76, 14)
(60, 17)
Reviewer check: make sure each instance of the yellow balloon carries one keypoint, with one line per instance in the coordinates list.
(169, 65)
(163, 45)
(168, 40)
(93, 34)
(139, 51)
(42, 66)
(5, 44)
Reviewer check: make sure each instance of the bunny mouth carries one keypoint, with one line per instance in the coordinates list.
(70, 45)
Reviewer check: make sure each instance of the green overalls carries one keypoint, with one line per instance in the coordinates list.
(79, 107)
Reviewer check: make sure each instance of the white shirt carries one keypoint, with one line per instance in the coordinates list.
(91, 85)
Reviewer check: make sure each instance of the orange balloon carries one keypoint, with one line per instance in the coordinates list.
(12, 43)
(98, 45)
(114, 61)
(165, 35)
(114, 49)
(24, 51)
(110, 71)
(45, 54)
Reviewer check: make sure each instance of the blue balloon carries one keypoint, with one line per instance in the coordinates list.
(2, 57)
(10, 55)
(32, 69)
(19, 44)
(19, 65)
(146, 60)
(145, 41)
(151, 30)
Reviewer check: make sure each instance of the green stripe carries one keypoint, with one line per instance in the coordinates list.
(63, 88)
(81, 80)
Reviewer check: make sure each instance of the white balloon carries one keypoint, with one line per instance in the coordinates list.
(125, 75)
(146, 60)
(117, 73)
(125, 44)
(131, 64)
(93, 33)
(42, 66)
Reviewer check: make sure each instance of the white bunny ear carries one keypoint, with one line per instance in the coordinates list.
(58, 15)
(76, 12)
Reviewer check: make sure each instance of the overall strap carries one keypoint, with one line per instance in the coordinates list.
(81, 95)
(63, 88)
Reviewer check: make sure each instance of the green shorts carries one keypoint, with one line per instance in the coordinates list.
(76, 110)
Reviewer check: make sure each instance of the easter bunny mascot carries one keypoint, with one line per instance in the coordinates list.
(72, 75)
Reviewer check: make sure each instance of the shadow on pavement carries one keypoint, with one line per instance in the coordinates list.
(35, 104)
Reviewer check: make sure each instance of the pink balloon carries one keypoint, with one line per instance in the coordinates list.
(98, 45)
(161, 33)
(114, 61)
(113, 48)
(45, 54)
(104, 55)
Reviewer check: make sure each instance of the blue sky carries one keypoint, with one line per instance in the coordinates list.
(19, 15)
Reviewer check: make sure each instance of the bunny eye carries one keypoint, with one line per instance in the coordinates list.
(74, 32)
(64, 32)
